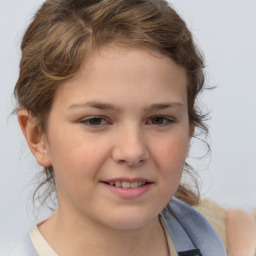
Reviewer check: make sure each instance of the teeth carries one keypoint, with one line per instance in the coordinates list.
(127, 184)
(118, 184)
(134, 184)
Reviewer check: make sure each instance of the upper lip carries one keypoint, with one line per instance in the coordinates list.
(128, 180)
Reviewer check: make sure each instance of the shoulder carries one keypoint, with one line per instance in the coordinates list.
(24, 248)
(216, 215)
(189, 229)
(236, 227)
(241, 232)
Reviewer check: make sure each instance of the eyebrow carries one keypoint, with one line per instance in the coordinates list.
(159, 106)
(95, 104)
(109, 106)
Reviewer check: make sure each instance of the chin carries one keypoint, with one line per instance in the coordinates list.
(130, 220)
(129, 224)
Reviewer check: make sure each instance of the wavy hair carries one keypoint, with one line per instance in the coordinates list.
(64, 33)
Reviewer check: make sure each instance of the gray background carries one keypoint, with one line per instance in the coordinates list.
(225, 31)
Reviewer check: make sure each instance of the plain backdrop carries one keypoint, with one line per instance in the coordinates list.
(226, 33)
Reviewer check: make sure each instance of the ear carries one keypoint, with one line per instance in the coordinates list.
(36, 140)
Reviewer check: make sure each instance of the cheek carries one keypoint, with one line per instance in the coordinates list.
(76, 170)
(171, 155)
(78, 157)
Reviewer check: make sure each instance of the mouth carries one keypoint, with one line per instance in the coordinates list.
(128, 188)
(127, 184)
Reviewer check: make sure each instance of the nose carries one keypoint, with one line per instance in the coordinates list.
(130, 148)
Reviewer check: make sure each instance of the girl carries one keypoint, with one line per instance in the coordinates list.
(106, 101)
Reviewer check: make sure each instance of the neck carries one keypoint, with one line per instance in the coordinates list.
(71, 236)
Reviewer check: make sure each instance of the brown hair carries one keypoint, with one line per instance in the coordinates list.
(65, 32)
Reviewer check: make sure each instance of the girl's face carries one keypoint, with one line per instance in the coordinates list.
(118, 136)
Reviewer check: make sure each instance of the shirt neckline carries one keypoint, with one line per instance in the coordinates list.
(41, 245)
(43, 248)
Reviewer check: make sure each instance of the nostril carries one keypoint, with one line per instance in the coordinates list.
(130, 153)
(135, 162)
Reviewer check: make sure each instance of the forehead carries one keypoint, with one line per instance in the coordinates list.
(136, 72)
(120, 60)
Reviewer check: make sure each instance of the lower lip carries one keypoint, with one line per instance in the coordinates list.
(129, 193)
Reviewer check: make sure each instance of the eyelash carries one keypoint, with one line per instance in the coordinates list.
(167, 120)
(86, 121)
(164, 121)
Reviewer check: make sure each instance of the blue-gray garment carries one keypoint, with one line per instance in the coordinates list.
(191, 233)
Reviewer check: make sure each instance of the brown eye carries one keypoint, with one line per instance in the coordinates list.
(157, 120)
(160, 120)
(94, 121)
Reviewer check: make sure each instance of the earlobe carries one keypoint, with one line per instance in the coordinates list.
(36, 140)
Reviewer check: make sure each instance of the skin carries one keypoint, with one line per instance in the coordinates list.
(144, 133)
(241, 233)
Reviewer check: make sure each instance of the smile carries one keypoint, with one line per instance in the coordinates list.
(126, 184)
(128, 188)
